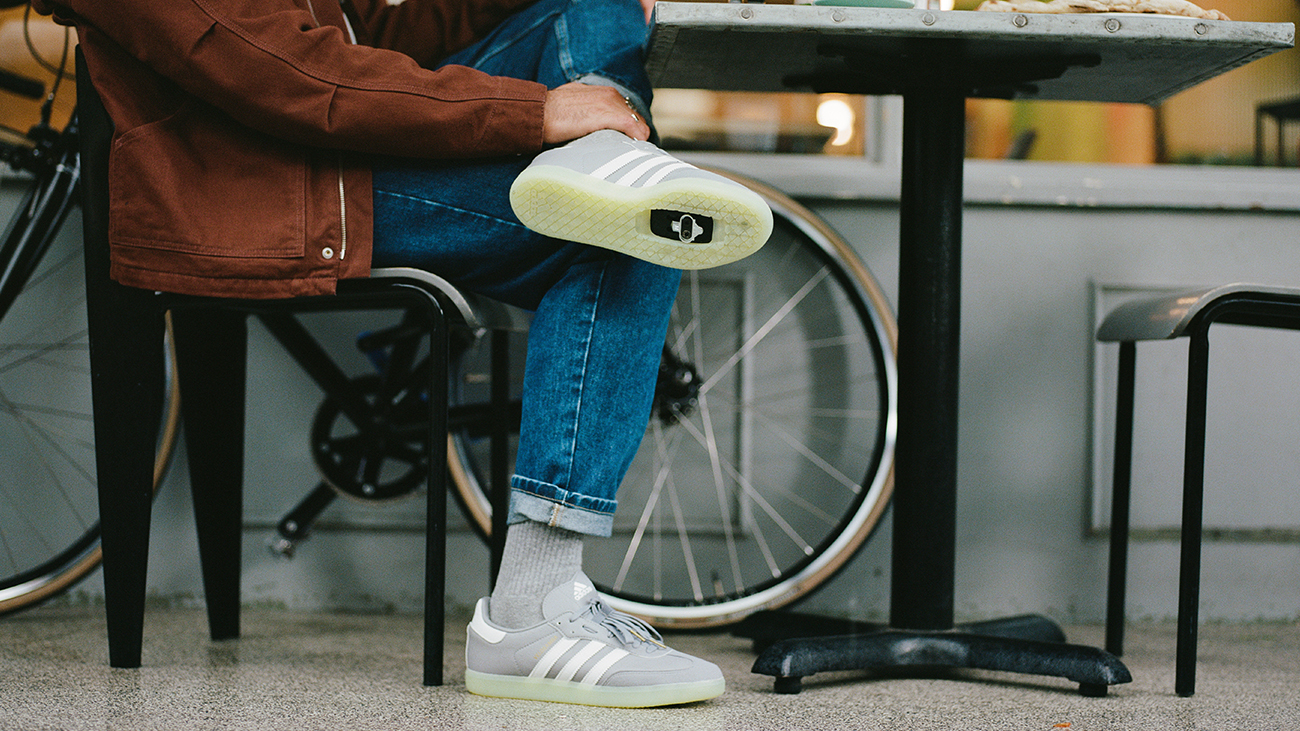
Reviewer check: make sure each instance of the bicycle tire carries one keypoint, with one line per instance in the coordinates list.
(828, 324)
(49, 531)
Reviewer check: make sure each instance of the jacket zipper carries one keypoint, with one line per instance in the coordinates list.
(343, 198)
(343, 214)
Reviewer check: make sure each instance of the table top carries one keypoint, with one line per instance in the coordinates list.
(1085, 57)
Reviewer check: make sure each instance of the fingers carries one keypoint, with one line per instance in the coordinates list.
(576, 109)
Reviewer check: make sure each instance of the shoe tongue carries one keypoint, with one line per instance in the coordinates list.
(572, 596)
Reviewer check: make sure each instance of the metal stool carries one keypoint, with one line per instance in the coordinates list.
(1163, 318)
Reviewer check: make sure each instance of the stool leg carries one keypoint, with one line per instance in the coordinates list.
(435, 578)
(126, 356)
(211, 355)
(500, 457)
(125, 331)
(1120, 498)
(1193, 504)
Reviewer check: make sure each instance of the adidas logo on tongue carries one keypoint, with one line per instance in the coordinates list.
(581, 590)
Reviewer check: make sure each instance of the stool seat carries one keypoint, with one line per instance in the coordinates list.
(477, 313)
(1166, 317)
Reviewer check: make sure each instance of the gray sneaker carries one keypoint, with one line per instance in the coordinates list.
(609, 190)
(586, 653)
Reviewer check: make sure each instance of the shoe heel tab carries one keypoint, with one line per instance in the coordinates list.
(479, 625)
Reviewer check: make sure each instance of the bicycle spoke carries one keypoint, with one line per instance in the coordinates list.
(809, 454)
(34, 352)
(707, 438)
(763, 331)
(50, 267)
(662, 476)
(19, 506)
(16, 408)
(691, 326)
(749, 490)
(684, 536)
(802, 392)
(32, 431)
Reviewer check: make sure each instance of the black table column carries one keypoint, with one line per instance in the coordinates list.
(929, 334)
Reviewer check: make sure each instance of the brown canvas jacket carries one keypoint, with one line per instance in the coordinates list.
(244, 128)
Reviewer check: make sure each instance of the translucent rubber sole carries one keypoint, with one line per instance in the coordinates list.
(571, 206)
(558, 691)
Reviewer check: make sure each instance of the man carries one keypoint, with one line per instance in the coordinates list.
(268, 148)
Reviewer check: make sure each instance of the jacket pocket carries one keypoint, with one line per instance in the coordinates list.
(200, 183)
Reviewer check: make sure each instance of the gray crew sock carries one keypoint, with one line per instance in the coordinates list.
(537, 558)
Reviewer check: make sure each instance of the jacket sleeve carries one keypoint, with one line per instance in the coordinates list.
(275, 66)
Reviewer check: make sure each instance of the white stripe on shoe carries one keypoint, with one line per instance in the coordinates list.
(636, 177)
(552, 656)
(580, 659)
(664, 172)
(604, 171)
(590, 649)
(640, 170)
(598, 670)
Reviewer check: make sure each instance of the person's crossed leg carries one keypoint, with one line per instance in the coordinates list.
(607, 223)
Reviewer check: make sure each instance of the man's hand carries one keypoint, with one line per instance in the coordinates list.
(576, 110)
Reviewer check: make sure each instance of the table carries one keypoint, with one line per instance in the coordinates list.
(936, 60)
(1282, 112)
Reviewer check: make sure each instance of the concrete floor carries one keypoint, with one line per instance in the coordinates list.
(299, 671)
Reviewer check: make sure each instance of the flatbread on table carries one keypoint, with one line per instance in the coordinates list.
(1159, 7)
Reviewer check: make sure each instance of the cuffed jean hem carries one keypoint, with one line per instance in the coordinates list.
(546, 503)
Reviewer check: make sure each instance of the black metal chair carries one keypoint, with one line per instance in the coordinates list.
(126, 335)
(1187, 314)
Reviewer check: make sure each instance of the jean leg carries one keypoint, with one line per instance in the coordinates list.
(557, 41)
(593, 355)
(454, 219)
(595, 341)
(601, 317)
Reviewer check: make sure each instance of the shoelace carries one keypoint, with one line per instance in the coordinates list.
(624, 626)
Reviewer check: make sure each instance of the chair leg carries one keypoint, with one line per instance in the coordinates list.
(435, 579)
(211, 355)
(500, 456)
(1193, 504)
(127, 374)
(1121, 491)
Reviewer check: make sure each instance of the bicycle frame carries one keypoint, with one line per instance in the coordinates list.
(56, 165)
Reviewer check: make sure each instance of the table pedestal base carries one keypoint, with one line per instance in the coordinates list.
(1029, 644)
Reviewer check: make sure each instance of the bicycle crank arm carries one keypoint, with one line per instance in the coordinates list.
(295, 527)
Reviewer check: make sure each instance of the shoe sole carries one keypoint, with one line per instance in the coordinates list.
(561, 691)
(727, 222)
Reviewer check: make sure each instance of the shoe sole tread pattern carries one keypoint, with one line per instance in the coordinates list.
(571, 206)
(561, 691)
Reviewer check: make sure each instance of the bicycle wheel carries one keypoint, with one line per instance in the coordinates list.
(49, 529)
(768, 459)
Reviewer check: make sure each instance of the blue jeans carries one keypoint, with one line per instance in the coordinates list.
(600, 317)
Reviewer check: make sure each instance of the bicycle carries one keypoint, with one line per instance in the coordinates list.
(776, 391)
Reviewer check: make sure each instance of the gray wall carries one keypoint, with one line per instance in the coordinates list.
(1047, 248)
